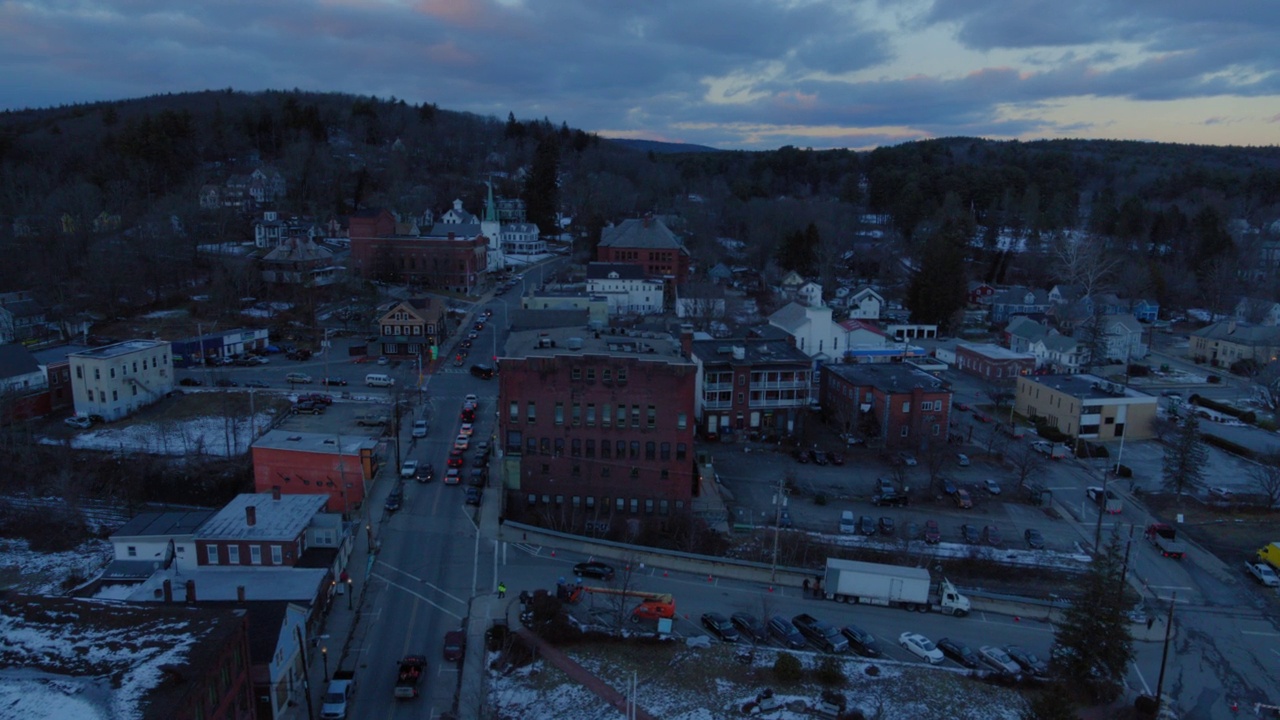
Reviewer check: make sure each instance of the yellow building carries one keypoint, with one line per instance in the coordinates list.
(1086, 406)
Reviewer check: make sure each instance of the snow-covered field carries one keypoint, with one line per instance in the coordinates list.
(211, 435)
(39, 573)
(679, 683)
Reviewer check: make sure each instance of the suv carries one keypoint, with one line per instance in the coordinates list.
(820, 634)
(861, 641)
(785, 633)
(371, 420)
(309, 407)
(484, 372)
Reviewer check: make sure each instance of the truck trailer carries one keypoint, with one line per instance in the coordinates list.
(892, 586)
(1165, 538)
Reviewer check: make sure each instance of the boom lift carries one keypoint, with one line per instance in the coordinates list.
(652, 605)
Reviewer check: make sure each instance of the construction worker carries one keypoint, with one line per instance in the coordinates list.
(502, 590)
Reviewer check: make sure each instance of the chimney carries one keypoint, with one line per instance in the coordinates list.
(191, 591)
(251, 515)
(239, 593)
(647, 218)
(275, 492)
(686, 340)
(168, 591)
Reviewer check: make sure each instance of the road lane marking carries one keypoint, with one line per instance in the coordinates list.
(437, 588)
(1170, 587)
(1258, 632)
(1146, 688)
(418, 595)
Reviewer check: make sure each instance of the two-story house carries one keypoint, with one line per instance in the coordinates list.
(1062, 354)
(1258, 311)
(865, 304)
(626, 287)
(750, 384)
(1018, 301)
(116, 380)
(1122, 338)
(412, 328)
(892, 406)
(1223, 344)
(264, 529)
(300, 261)
(151, 541)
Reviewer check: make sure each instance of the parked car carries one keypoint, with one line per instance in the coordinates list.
(866, 525)
(720, 626)
(1035, 540)
(962, 406)
(785, 633)
(818, 457)
(920, 646)
(225, 383)
(823, 636)
(1220, 493)
(307, 407)
(959, 652)
(297, 378)
(395, 499)
(455, 645)
(333, 382)
(932, 533)
(889, 500)
(477, 477)
(318, 398)
(861, 641)
(836, 458)
(907, 459)
(999, 660)
(981, 416)
(471, 400)
(991, 535)
(885, 486)
(948, 485)
(886, 525)
(749, 628)
(473, 496)
(409, 468)
(801, 456)
(962, 460)
(992, 486)
(419, 428)
(190, 382)
(256, 384)
(1030, 663)
(963, 500)
(970, 533)
(79, 422)
(480, 459)
(847, 524)
(595, 569)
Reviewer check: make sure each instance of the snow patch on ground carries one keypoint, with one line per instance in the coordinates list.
(38, 573)
(213, 435)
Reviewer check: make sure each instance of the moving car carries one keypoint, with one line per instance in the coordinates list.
(461, 442)
(452, 476)
(425, 474)
(225, 383)
(307, 407)
(963, 500)
(861, 641)
(419, 428)
(720, 626)
(409, 469)
(920, 646)
(455, 459)
(295, 377)
(467, 429)
(1035, 540)
(959, 652)
(471, 400)
(749, 627)
(473, 496)
(595, 569)
(333, 382)
(395, 499)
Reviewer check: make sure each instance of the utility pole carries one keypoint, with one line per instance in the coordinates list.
(777, 521)
(1164, 657)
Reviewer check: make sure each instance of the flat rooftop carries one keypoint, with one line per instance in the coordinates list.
(995, 352)
(893, 378)
(163, 524)
(756, 351)
(300, 585)
(282, 519)
(582, 341)
(1088, 387)
(323, 443)
(120, 348)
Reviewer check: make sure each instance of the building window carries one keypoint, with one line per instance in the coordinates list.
(591, 377)
(620, 450)
(233, 554)
(936, 429)
(622, 416)
(663, 507)
(576, 373)
(591, 501)
(622, 375)
(681, 451)
(653, 416)
(621, 504)
(546, 470)
(905, 430)
(906, 407)
(682, 421)
(559, 447)
(606, 416)
(132, 551)
(115, 395)
(742, 380)
(577, 414)
(532, 416)
(255, 554)
(607, 376)
(650, 450)
(544, 446)
(559, 414)
(79, 372)
(591, 448)
(666, 474)
(591, 414)
(513, 413)
(531, 446)
(635, 416)
(277, 555)
(666, 451)
(211, 554)
(606, 449)
(635, 505)
(739, 398)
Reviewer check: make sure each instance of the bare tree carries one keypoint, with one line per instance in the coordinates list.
(936, 454)
(1266, 478)
(1000, 391)
(1025, 462)
(1083, 263)
(993, 441)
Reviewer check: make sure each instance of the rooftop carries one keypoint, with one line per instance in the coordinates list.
(1084, 386)
(892, 378)
(624, 271)
(582, 341)
(995, 352)
(163, 524)
(325, 443)
(754, 351)
(649, 233)
(120, 348)
(224, 582)
(274, 519)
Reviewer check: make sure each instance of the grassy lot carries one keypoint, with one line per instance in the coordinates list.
(1230, 531)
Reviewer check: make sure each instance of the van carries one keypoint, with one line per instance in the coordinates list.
(484, 372)
(847, 524)
(379, 380)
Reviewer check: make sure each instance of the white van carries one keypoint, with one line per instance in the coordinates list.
(379, 380)
(847, 524)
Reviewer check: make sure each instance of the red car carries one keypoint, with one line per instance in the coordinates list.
(962, 406)
(455, 458)
(932, 533)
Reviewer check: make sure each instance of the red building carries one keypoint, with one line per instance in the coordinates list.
(314, 463)
(648, 243)
(258, 529)
(597, 427)
(890, 404)
(445, 257)
(992, 362)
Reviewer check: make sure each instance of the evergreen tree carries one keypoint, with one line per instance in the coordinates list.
(542, 190)
(1092, 647)
(1052, 703)
(1185, 458)
(938, 287)
(799, 250)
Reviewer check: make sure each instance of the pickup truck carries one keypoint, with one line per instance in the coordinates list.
(1107, 500)
(824, 636)
(1263, 573)
(1165, 538)
(412, 668)
(337, 696)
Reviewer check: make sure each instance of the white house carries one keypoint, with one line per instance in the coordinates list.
(152, 540)
(1257, 311)
(814, 331)
(625, 287)
(865, 304)
(1060, 352)
(115, 380)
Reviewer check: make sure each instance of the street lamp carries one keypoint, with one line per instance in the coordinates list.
(324, 653)
(349, 591)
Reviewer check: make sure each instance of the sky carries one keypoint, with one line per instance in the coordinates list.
(733, 74)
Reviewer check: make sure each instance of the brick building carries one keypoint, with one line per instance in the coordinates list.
(446, 256)
(646, 242)
(340, 467)
(992, 362)
(898, 406)
(262, 529)
(597, 427)
(750, 385)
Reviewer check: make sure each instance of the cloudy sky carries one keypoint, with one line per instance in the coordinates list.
(753, 74)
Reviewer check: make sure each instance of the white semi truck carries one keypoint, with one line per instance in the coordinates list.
(893, 586)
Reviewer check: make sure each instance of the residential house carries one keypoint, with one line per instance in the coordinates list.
(1071, 308)
(1223, 344)
(892, 406)
(457, 215)
(720, 274)
(24, 385)
(267, 184)
(646, 242)
(339, 466)
(1018, 301)
(1023, 332)
(273, 229)
(597, 428)
(628, 290)
(147, 662)
(265, 529)
(300, 261)
(980, 293)
(812, 329)
(412, 328)
(22, 318)
(151, 541)
(1060, 353)
(1086, 406)
(750, 385)
(1257, 311)
(992, 362)
(116, 380)
(1122, 338)
(865, 304)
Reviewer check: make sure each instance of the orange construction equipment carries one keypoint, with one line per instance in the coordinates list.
(652, 605)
